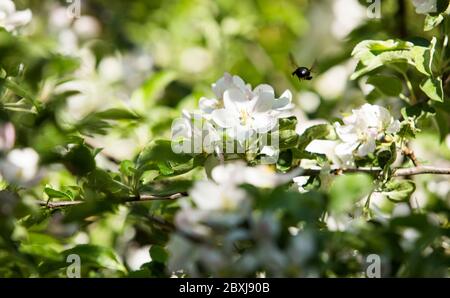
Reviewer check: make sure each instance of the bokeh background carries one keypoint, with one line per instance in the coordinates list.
(158, 57)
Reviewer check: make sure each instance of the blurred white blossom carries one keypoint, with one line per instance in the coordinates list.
(223, 192)
(425, 6)
(208, 195)
(20, 166)
(348, 14)
(10, 18)
(7, 136)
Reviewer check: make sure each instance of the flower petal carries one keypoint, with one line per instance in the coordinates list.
(224, 118)
(234, 99)
(262, 102)
(263, 122)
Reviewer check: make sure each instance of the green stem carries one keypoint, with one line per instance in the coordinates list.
(413, 97)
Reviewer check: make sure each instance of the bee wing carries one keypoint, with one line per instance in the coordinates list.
(311, 69)
(292, 60)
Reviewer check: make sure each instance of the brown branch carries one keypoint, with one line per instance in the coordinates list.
(420, 170)
(140, 198)
(397, 172)
(411, 155)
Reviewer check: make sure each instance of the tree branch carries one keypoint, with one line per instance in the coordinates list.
(397, 172)
(140, 198)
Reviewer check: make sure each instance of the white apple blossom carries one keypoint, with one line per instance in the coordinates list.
(425, 6)
(196, 135)
(363, 128)
(238, 113)
(10, 18)
(243, 114)
(20, 166)
(231, 82)
(358, 136)
(207, 106)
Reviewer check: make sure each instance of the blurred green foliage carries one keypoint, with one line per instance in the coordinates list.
(113, 148)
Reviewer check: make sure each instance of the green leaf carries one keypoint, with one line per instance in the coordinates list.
(53, 193)
(288, 139)
(287, 123)
(388, 85)
(100, 180)
(432, 22)
(314, 132)
(97, 257)
(117, 114)
(79, 160)
(418, 110)
(159, 155)
(21, 91)
(166, 187)
(443, 119)
(432, 87)
(127, 167)
(386, 156)
(43, 246)
(158, 254)
(348, 189)
(399, 190)
(422, 57)
(375, 53)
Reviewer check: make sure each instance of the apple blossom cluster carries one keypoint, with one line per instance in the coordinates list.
(238, 114)
(10, 18)
(358, 136)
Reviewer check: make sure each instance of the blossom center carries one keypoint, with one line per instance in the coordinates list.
(245, 117)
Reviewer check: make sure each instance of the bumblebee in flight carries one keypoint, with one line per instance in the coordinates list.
(301, 72)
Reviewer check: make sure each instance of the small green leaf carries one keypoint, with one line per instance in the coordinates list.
(97, 257)
(117, 114)
(79, 160)
(53, 193)
(432, 87)
(159, 155)
(388, 85)
(319, 131)
(432, 22)
(399, 190)
(386, 156)
(101, 180)
(158, 254)
(127, 168)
